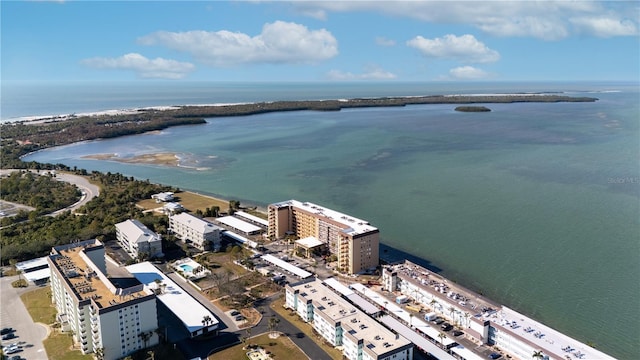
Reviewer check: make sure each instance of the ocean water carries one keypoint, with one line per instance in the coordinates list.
(534, 205)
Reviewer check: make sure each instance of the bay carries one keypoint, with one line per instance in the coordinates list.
(534, 205)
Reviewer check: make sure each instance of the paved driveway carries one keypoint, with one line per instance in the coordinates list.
(14, 314)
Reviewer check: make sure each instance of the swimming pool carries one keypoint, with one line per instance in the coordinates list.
(186, 268)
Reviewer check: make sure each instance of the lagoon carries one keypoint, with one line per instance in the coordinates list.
(534, 205)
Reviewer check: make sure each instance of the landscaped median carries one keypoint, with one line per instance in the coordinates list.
(279, 348)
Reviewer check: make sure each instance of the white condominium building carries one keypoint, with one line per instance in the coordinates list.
(342, 324)
(138, 240)
(120, 321)
(493, 324)
(354, 241)
(195, 231)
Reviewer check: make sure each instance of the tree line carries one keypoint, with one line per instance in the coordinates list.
(96, 219)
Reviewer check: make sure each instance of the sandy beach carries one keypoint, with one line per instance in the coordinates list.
(162, 159)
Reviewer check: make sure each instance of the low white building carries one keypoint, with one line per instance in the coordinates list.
(163, 196)
(342, 325)
(197, 232)
(137, 239)
(197, 319)
(101, 315)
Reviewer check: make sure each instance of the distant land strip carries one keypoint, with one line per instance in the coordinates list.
(22, 137)
(336, 105)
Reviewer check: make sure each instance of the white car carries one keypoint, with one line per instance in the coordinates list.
(11, 349)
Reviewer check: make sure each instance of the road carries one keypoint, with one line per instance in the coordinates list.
(14, 314)
(89, 191)
(230, 334)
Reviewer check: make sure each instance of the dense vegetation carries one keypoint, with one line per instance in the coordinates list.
(44, 193)
(96, 219)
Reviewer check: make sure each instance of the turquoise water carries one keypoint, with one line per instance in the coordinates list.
(186, 268)
(534, 205)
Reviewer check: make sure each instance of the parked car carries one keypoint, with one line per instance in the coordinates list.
(6, 330)
(495, 356)
(239, 318)
(446, 326)
(235, 313)
(12, 350)
(457, 333)
(15, 357)
(8, 336)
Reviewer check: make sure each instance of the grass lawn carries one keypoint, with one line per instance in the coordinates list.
(58, 347)
(190, 201)
(280, 348)
(305, 328)
(38, 303)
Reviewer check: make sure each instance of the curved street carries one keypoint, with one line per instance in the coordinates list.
(89, 190)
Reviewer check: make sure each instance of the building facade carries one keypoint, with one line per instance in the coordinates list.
(138, 240)
(102, 316)
(493, 324)
(354, 241)
(341, 324)
(197, 232)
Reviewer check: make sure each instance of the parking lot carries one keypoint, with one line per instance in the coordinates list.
(28, 335)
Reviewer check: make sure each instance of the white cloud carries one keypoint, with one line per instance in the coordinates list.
(605, 26)
(147, 68)
(468, 73)
(548, 20)
(279, 42)
(382, 41)
(371, 73)
(465, 48)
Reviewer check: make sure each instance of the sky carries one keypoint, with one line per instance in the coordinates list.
(320, 40)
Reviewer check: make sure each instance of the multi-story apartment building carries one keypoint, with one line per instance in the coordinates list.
(102, 316)
(342, 325)
(354, 241)
(138, 240)
(199, 233)
(484, 321)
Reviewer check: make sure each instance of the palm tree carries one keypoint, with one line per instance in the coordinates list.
(410, 318)
(538, 355)
(442, 336)
(273, 323)
(452, 311)
(433, 303)
(145, 336)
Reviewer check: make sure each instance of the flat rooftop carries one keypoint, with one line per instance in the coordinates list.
(377, 338)
(538, 335)
(253, 218)
(301, 273)
(238, 224)
(27, 265)
(178, 301)
(353, 225)
(550, 341)
(86, 279)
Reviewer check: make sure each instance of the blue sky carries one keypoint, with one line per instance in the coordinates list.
(321, 40)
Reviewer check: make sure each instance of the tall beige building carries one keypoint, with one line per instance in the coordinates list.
(354, 241)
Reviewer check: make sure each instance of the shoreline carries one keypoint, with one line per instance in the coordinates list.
(239, 109)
